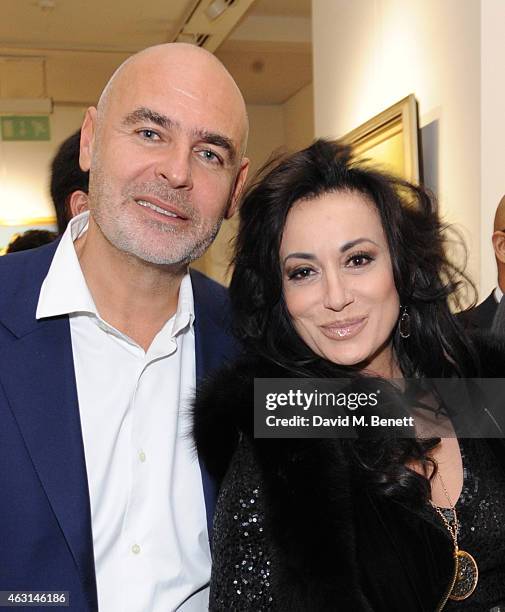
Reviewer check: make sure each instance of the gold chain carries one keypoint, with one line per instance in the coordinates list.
(454, 528)
(466, 574)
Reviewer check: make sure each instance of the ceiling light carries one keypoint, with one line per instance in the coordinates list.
(46, 5)
(216, 8)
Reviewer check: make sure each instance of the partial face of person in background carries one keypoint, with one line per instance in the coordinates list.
(165, 148)
(338, 281)
(498, 240)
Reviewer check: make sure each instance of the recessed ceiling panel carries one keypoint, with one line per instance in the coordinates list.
(89, 24)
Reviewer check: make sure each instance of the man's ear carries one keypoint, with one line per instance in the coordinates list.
(498, 239)
(237, 189)
(77, 203)
(88, 130)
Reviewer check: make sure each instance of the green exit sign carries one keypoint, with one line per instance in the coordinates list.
(21, 127)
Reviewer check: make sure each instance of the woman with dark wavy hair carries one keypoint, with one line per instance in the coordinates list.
(341, 272)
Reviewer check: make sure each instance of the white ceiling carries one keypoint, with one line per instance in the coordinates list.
(78, 43)
(125, 25)
(283, 8)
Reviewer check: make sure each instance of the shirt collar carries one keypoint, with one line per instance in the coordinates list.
(185, 315)
(498, 294)
(64, 290)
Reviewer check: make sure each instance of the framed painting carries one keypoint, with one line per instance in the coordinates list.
(390, 140)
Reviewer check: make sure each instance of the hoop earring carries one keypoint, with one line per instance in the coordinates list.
(404, 323)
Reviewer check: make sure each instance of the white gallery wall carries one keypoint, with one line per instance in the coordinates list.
(492, 130)
(298, 114)
(368, 54)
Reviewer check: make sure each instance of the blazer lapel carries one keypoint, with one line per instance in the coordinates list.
(213, 346)
(37, 374)
(214, 343)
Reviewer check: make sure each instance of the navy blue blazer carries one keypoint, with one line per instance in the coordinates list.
(45, 524)
(481, 316)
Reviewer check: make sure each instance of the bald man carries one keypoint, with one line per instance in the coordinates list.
(482, 316)
(103, 337)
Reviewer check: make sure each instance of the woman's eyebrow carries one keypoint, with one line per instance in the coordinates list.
(352, 243)
(308, 256)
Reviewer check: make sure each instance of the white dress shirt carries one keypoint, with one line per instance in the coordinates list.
(498, 294)
(147, 505)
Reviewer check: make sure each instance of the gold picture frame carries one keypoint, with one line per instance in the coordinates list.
(390, 140)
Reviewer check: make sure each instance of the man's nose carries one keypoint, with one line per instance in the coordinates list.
(175, 167)
(337, 294)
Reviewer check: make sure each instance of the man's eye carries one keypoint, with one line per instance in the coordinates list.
(210, 156)
(149, 134)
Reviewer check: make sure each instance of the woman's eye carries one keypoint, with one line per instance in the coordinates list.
(300, 273)
(359, 260)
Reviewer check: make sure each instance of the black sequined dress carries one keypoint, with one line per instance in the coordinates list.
(297, 529)
(242, 577)
(481, 513)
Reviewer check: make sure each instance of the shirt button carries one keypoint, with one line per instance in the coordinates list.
(142, 456)
(135, 549)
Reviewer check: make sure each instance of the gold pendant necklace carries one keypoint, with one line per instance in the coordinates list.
(467, 572)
